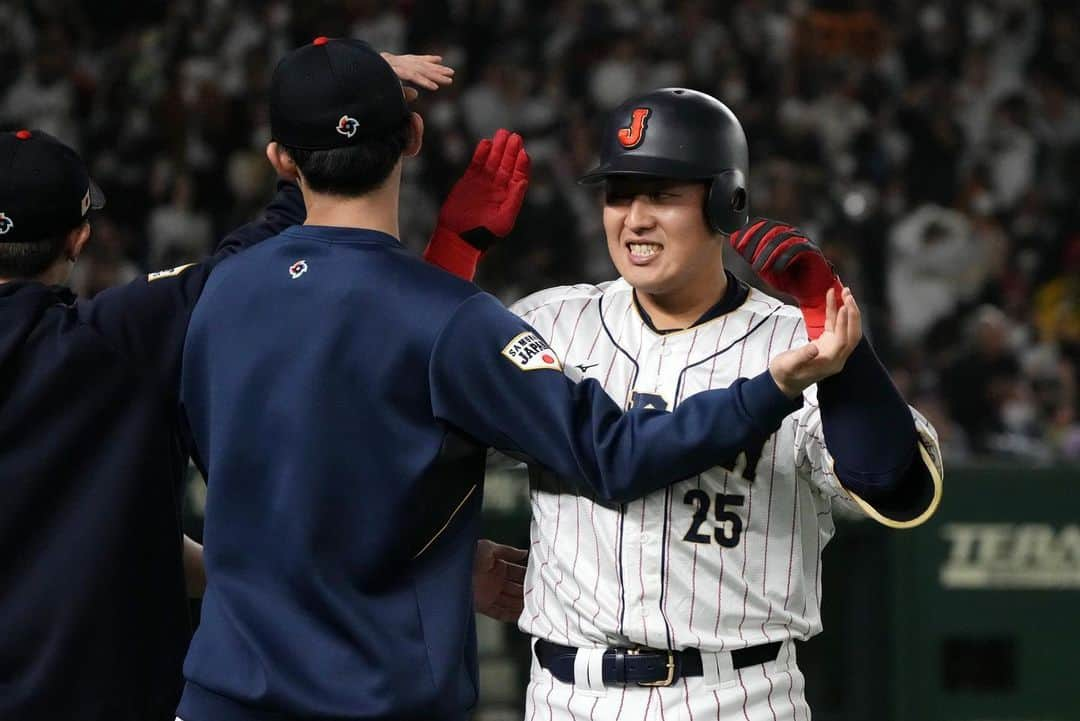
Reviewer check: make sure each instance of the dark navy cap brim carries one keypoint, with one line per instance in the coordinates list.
(645, 166)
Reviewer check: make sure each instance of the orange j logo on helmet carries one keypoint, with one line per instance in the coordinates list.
(631, 137)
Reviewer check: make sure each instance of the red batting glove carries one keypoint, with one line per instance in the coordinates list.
(789, 261)
(482, 205)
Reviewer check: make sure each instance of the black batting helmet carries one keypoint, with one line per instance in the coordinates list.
(681, 134)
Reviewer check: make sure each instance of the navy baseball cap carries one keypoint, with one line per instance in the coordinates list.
(45, 188)
(332, 94)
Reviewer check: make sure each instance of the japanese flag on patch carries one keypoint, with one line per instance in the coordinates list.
(530, 352)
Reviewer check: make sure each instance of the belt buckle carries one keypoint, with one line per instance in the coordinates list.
(670, 669)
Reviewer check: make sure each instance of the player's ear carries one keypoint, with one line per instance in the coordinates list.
(416, 136)
(282, 162)
(77, 240)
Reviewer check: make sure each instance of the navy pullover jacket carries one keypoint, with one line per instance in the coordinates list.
(93, 609)
(341, 394)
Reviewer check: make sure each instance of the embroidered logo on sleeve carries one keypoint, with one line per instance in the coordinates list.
(297, 269)
(168, 273)
(530, 352)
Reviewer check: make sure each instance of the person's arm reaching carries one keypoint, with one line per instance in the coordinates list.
(867, 426)
(877, 453)
(147, 318)
(496, 379)
(873, 446)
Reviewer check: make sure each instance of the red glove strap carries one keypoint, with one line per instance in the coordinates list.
(452, 253)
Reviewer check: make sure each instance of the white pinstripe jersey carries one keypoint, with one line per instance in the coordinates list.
(719, 561)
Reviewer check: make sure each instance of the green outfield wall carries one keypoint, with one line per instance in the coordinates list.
(986, 600)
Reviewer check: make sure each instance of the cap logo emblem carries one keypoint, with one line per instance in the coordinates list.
(347, 126)
(632, 136)
(297, 269)
(6, 224)
(86, 202)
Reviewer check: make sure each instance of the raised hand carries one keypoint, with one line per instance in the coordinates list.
(425, 71)
(484, 203)
(785, 258)
(482, 206)
(797, 369)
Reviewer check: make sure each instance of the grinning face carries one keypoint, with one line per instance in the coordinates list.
(657, 235)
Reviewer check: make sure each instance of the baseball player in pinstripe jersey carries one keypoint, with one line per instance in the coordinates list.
(686, 604)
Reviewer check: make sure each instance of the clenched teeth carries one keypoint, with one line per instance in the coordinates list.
(644, 248)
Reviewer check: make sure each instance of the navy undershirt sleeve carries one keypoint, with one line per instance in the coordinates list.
(868, 427)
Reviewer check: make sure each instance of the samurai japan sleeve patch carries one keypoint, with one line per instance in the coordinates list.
(171, 272)
(530, 352)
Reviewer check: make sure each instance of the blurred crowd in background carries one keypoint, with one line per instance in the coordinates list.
(931, 147)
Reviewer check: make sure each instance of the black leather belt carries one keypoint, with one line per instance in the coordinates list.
(645, 666)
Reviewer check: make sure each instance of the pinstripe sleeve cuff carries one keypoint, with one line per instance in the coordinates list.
(766, 404)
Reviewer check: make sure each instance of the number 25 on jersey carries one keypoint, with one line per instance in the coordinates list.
(728, 528)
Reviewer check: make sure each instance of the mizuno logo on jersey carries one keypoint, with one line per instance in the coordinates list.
(530, 352)
(584, 367)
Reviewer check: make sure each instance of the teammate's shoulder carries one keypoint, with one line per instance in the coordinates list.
(581, 293)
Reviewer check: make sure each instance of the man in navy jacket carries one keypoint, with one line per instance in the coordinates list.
(93, 610)
(93, 614)
(341, 394)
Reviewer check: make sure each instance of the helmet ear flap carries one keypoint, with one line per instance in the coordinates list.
(727, 206)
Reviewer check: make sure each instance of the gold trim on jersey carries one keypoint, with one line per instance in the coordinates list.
(168, 273)
(448, 520)
(936, 479)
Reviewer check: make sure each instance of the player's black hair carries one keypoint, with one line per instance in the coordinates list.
(29, 260)
(357, 169)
